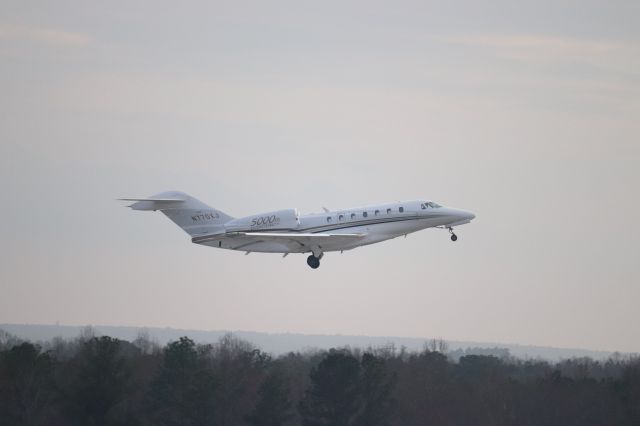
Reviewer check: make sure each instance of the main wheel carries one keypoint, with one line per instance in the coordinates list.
(454, 237)
(313, 262)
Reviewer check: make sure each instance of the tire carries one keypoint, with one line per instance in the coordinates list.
(313, 262)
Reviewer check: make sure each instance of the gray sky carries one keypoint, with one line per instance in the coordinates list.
(527, 113)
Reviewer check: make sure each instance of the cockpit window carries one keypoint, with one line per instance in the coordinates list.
(430, 204)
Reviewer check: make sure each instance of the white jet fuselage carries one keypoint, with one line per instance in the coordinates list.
(373, 223)
(286, 231)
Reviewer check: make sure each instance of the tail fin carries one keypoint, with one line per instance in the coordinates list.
(190, 214)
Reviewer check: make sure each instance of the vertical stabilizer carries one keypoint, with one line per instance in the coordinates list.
(190, 214)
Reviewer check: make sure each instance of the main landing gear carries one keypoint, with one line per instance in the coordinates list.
(313, 262)
(454, 237)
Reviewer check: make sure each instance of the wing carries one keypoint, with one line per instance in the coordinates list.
(310, 240)
(293, 240)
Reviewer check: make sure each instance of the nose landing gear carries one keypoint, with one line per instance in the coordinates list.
(454, 237)
(313, 262)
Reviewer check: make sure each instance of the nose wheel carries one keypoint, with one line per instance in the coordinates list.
(313, 262)
(454, 237)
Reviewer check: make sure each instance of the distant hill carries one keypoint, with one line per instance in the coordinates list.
(279, 343)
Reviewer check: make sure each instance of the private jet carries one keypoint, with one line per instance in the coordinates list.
(287, 231)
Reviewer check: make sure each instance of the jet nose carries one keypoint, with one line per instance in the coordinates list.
(466, 215)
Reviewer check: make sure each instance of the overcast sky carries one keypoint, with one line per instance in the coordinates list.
(526, 113)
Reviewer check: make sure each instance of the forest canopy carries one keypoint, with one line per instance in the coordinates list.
(99, 380)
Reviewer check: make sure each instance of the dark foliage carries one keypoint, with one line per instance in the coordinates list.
(183, 390)
(333, 398)
(26, 385)
(273, 407)
(104, 381)
(94, 385)
(376, 387)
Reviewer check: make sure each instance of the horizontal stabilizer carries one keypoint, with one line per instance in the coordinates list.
(151, 199)
(155, 203)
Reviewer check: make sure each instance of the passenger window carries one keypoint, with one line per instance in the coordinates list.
(328, 219)
(353, 216)
(401, 209)
(364, 214)
(377, 212)
(341, 217)
(388, 211)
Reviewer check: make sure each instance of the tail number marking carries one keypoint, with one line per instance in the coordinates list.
(205, 216)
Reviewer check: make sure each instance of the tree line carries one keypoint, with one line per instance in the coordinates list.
(95, 380)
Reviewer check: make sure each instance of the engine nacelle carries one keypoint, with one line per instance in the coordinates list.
(278, 220)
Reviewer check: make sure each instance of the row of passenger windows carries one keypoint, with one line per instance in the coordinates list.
(341, 217)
